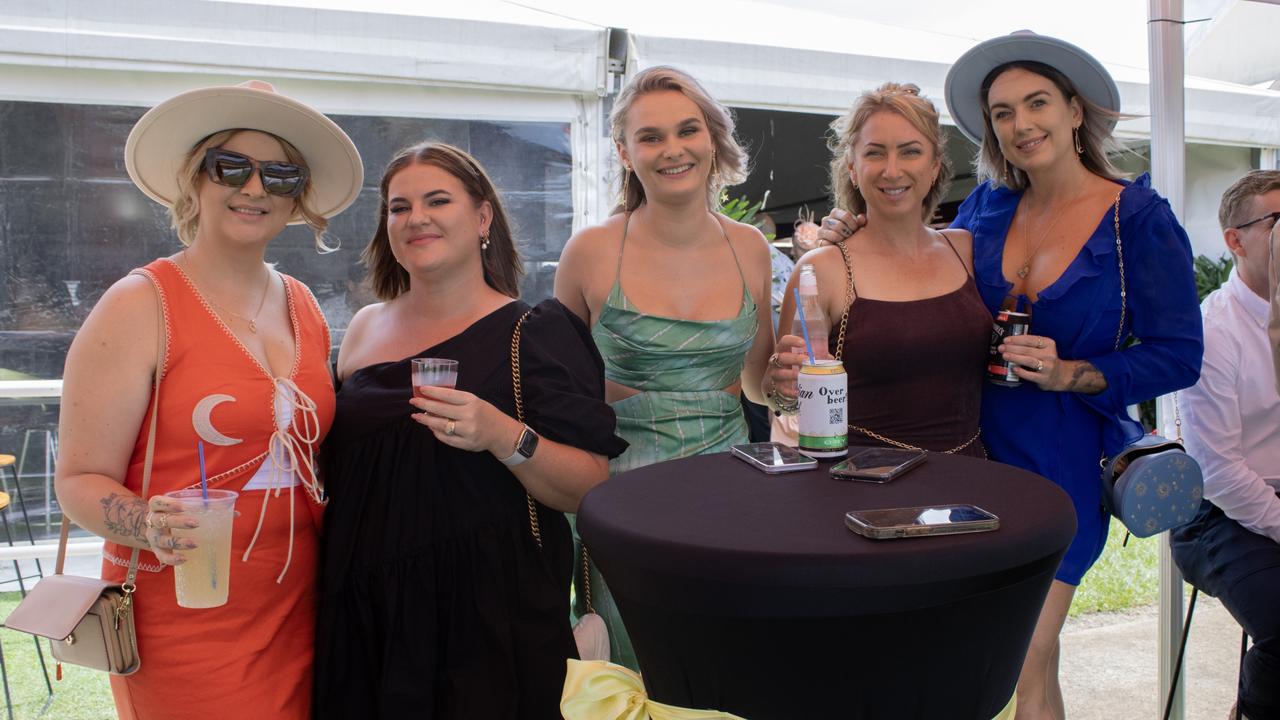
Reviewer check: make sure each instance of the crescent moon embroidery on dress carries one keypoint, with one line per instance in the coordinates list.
(203, 424)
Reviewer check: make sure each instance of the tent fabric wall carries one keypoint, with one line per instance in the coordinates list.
(827, 82)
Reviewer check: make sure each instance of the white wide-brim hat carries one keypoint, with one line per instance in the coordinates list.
(159, 143)
(964, 79)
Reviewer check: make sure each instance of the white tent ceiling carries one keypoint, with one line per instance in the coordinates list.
(816, 55)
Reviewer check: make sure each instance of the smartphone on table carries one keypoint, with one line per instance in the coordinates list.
(919, 521)
(773, 458)
(879, 465)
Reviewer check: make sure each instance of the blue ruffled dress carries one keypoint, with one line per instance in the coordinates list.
(1062, 435)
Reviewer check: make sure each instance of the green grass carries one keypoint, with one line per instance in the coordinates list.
(81, 695)
(1123, 577)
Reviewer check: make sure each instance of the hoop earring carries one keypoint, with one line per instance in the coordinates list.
(484, 241)
(626, 186)
(1075, 135)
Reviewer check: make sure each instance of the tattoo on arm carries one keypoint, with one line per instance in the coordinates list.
(1087, 379)
(124, 515)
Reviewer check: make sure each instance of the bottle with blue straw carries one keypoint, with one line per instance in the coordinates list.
(823, 393)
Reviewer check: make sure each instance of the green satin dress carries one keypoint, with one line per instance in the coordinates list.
(680, 368)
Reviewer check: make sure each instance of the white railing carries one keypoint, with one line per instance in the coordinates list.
(41, 550)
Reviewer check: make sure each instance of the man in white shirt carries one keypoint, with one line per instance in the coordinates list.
(1231, 424)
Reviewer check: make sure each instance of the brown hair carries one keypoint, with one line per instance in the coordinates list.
(1094, 132)
(1234, 200)
(902, 99)
(503, 266)
(731, 160)
(184, 213)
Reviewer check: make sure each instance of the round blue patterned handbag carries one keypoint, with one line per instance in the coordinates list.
(1152, 485)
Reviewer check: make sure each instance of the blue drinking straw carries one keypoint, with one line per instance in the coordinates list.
(804, 326)
(204, 492)
(204, 479)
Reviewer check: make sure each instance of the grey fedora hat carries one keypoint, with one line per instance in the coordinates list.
(964, 79)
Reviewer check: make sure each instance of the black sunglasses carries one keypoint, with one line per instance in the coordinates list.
(234, 170)
(1273, 217)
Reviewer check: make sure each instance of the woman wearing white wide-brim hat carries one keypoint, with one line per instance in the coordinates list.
(1044, 219)
(242, 352)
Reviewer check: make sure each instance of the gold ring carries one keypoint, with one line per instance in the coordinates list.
(773, 361)
(450, 427)
(1039, 366)
(1040, 343)
(149, 520)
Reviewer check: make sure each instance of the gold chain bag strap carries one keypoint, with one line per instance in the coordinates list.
(589, 632)
(1151, 485)
(844, 324)
(88, 621)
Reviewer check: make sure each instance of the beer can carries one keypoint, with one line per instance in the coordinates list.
(1007, 324)
(824, 409)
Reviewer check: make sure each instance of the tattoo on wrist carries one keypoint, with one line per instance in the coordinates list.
(124, 515)
(1085, 378)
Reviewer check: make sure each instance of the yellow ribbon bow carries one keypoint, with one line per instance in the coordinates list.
(597, 690)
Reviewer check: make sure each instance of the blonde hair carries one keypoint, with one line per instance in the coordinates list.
(184, 213)
(730, 166)
(1094, 132)
(902, 99)
(503, 266)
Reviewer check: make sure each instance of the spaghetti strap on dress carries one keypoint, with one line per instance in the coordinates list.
(916, 368)
(680, 368)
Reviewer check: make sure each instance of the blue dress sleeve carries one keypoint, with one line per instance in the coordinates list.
(1163, 313)
(969, 208)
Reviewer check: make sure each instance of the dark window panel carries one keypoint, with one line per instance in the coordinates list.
(71, 223)
(32, 139)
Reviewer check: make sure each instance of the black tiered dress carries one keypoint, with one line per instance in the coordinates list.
(435, 600)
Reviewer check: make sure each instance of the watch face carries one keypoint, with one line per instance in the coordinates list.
(528, 443)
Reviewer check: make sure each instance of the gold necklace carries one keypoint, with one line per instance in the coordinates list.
(1026, 260)
(253, 321)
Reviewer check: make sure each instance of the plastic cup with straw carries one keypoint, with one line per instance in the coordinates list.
(214, 509)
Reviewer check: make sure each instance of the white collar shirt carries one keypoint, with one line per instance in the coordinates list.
(1231, 417)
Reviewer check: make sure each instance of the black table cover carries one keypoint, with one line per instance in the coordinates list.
(744, 592)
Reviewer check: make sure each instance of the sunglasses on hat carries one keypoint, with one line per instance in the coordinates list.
(234, 170)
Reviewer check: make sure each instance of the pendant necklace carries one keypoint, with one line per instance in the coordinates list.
(1026, 261)
(252, 321)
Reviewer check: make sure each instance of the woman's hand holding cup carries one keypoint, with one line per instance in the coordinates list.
(462, 420)
(162, 515)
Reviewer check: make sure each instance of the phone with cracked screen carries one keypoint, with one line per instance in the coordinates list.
(918, 521)
(879, 465)
(773, 457)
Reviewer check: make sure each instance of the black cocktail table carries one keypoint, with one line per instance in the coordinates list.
(744, 592)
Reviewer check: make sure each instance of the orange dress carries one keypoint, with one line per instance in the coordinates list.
(253, 656)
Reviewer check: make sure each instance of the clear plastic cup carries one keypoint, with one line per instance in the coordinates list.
(437, 372)
(205, 578)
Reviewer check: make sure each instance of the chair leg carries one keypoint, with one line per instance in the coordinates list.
(8, 536)
(1182, 651)
(26, 519)
(1244, 649)
(4, 677)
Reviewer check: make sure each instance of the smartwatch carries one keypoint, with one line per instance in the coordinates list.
(525, 446)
